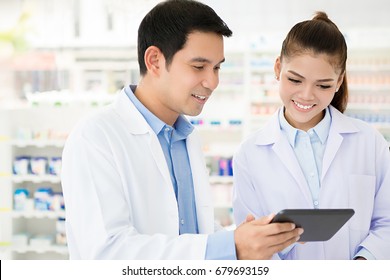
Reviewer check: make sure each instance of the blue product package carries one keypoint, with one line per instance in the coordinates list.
(223, 167)
(20, 198)
(38, 165)
(55, 164)
(21, 165)
(230, 166)
(42, 199)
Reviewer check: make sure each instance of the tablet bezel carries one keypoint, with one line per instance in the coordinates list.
(318, 224)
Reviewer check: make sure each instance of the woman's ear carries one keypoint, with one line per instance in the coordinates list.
(152, 58)
(340, 80)
(277, 68)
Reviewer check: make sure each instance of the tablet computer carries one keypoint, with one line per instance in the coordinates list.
(318, 224)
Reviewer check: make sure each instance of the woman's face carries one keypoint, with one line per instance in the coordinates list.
(308, 84)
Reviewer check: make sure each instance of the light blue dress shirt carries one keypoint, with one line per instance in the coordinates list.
(309, 148)
(173, 144)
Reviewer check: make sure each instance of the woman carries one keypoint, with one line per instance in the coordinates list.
(310, 155)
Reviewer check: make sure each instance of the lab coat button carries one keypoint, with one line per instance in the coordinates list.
(315, 202)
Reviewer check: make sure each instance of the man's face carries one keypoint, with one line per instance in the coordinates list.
(187, 83)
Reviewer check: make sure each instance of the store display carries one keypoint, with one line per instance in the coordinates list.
(30, 178)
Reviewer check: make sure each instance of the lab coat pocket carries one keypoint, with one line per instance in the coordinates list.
(361, 199)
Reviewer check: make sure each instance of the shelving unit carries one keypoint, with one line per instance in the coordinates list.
(35, 131)
(369, 85)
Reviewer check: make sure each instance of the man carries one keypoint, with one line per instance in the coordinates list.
(134, 177)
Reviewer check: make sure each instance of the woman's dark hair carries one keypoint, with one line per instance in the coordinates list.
(321, 36)
(168, 24)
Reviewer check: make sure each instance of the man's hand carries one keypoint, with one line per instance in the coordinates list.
(259, 239)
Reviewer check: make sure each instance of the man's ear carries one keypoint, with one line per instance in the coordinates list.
(277, 68)
(153, 60)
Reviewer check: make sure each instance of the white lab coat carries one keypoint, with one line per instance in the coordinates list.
(355, 174)
(119, 199)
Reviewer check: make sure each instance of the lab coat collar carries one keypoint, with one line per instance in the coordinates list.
(271, 132)
(341, 124)
(134, 120)
(137, 125)
(272, 135)
(155, 123)
(321, 129)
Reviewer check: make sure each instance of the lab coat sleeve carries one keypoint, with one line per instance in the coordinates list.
(378, 240)
(99, 221)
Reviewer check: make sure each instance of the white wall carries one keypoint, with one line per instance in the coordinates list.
(52, 22)
(367, 22)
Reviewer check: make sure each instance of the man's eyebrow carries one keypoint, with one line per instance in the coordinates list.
(321, 80)
(205, 60)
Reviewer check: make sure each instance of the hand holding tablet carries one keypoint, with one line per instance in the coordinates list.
(319, 224)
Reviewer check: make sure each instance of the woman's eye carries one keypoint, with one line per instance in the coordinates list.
(325, 86)
(294, 80)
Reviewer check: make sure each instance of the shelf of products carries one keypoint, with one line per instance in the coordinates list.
(369, 85)
(32, 211)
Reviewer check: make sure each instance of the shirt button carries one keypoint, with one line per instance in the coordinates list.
(167, 129)
(182, 221)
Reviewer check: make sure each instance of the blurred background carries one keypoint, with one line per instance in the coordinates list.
(61, 59)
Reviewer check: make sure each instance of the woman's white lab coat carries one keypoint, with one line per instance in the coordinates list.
(355, 174)
(119, 199)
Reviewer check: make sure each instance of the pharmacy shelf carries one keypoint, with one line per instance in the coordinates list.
(221, 179)
(59, 249)
(38, 214)
(373, 107)
(35, 130)
(38, 143)
(55, 179)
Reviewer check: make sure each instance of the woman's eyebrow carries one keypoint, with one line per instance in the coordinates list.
(320, 80)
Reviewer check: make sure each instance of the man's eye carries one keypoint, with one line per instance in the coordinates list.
(198, 67)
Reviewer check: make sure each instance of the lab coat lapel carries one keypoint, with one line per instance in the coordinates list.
(202, 191)
(137, 124)
(340, 124)
(159, 158)
(272, 134)
(333, 145)
(286, 154)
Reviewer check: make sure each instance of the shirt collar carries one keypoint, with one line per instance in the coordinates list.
(321, 129)
(182, 126)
